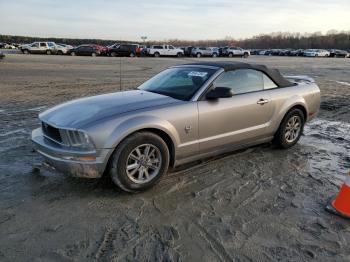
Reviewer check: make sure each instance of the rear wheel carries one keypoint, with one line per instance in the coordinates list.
(73, 54)
(245, 55)
(156, 54)
(230, 55)
(179, 54)
(139, 162)
(198, 55)
(26, 52)
(290, 129)
(59, 52)
(48, 52)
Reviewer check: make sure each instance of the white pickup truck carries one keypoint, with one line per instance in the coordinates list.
(164, 50)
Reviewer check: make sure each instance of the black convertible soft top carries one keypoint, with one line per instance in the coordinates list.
(274, 74)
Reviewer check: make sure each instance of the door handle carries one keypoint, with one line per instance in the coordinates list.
(262, 101)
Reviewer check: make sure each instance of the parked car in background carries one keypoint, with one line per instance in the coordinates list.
(338, 53)
(2, 55)
(39, 48)
(215, 51)
(165, 50)
(65, 45)
(316, 53)
(130, 50)
(188, 50)
(254, 51)
(9, 46)
(237, 51)
(297, 52)
(87, 50)
(201, 51)
(60, 49)
(222, 50)
(185, 113)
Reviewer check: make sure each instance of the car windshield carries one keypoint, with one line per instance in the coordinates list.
(178, 82)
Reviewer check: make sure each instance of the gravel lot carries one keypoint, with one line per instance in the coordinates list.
(258, 204)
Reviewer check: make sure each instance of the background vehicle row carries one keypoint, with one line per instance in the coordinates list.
(132, 50)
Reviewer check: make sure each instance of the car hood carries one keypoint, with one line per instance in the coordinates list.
(81, 112)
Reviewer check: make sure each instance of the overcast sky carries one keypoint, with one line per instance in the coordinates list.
(169, 19)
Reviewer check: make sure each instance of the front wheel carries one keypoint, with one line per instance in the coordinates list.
(230, 55)
(156, 54)
(290, 129)
(179, 54)
(72, 54)
(139, 162)
(245, 55)
(48, 52)
(199, 55)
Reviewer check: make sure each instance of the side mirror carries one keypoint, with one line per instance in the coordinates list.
(219, 92)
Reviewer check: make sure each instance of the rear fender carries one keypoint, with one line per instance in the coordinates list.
(293, 101)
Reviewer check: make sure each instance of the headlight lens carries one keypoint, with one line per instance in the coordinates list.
(79, 139)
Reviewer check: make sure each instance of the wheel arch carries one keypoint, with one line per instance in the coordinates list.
(162, 128)
(300, 106)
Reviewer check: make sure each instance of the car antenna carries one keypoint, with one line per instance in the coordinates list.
(120, 73)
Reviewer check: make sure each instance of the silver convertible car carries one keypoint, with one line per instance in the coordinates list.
(182, 114)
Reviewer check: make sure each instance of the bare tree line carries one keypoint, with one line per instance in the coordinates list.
(333, 39)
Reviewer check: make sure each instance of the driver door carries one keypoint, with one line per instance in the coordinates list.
(240, 119)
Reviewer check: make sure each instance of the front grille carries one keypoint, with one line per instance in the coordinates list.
(51, 132)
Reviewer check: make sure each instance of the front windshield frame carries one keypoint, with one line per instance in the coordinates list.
(204, 72)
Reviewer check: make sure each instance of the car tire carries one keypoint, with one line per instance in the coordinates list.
(25, 51)
(179, 54)
(290, 129)
(131, 54)
(126, 156)
(93, 54)
(246, 55)
(198, 55)
(73, 54)
(156, 54)
(48, 52)
(59, 52)
(215, 55)
(113, 54)
(230, 55)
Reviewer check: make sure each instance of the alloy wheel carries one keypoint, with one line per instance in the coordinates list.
(293, 129)
(143, 163)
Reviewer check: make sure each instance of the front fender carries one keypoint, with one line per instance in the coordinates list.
(134, 124)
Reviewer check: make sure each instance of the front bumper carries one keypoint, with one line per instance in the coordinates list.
(66, 159)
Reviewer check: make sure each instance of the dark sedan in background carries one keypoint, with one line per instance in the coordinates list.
(88, 50)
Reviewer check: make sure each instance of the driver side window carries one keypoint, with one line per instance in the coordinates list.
(241, 81)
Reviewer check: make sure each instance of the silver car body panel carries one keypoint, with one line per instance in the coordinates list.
(197, 128)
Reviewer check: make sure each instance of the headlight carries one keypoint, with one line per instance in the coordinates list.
(75, 138)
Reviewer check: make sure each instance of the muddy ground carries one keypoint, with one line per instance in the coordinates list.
(258, 204)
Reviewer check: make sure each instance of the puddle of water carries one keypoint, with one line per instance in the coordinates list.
(331, 140)
(22, 130)
(343, 83)
(37, 109)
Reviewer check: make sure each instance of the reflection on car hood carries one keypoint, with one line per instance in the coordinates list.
(80, 112)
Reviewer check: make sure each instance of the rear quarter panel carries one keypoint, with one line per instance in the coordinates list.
(283, 99)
